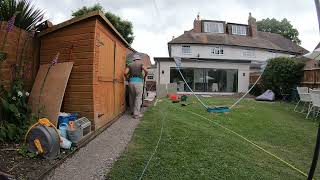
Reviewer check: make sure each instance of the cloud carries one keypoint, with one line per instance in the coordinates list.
(156, 21)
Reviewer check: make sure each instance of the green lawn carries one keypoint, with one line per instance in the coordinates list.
(194, 148)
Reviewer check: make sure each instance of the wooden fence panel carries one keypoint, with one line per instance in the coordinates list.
(311, 78)
(20, 48)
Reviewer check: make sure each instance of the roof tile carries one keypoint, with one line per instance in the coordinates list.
(264, 40)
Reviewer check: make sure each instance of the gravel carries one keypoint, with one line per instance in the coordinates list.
(95, 160)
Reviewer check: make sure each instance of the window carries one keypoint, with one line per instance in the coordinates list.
(150, 77)
(217, 50)
(213, 27)
(249, 53)
(205, 79)
(239, 30)
(186, 50)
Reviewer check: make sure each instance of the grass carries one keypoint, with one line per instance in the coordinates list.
(194, 148)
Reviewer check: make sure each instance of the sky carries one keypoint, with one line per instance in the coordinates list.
(155, 22)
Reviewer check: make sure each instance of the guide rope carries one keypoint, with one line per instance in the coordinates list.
(156, 147)
(240, 99)
(178, 64)
(248, 141)
(205, 106)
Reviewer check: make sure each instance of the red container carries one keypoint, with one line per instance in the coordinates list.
(173, 97)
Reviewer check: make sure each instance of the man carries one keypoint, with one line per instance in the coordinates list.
(136, 78)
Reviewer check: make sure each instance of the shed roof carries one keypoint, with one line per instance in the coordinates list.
(96, 14)
(264, 40)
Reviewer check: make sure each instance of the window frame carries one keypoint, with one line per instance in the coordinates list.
(209, 26)
(150, 77)
(184, 51)
(215, 49)
(249, 53)
(239, 30)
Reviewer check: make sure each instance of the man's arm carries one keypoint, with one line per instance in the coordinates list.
(126, 71)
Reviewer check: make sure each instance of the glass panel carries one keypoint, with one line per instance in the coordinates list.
(186, 50)
(206, 80)
(214, 27)
(175, 77)
(199, 80)
(239, 30)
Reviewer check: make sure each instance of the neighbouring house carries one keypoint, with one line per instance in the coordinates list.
(151, 81)
(311, 63)
(218, 56)
(144, 57)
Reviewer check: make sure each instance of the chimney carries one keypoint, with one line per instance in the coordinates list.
(197, 24)
(252, 26)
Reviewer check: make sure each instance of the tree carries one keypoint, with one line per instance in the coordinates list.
(283, 27)
(27, 16)
(282, 72)
(124, 27)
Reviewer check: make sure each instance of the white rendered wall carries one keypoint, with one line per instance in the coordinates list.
(230, 53)
(243, 71)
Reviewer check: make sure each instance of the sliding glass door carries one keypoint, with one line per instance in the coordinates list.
(206, 80)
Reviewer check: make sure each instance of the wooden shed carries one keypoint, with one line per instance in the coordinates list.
(96, 86)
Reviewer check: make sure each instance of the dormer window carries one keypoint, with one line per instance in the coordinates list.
(239, 30)
(186, 50)
(213, 27)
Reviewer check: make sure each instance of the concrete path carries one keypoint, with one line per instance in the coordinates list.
(96, 159)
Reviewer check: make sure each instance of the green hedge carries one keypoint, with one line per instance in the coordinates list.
(282, 72)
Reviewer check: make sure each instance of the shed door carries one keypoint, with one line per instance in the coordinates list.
(119, 86)
(106, 80)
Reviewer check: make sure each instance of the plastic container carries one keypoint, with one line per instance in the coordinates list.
(173, 97)
(63, 120)
(184, 98)
(73, 116)
(74, 132)
(84, 124)
(63, 129)
(75, 135)
(66, 117)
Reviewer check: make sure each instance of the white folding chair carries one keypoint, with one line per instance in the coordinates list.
(315, 98)
(305, 98)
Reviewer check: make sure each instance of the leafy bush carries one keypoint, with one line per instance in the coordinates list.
(14, 111)
(23, 150)
(15, 115)
(27, 16)
(256, 90)
(282, 72)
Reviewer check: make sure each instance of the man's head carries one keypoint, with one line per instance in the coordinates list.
(136, 57)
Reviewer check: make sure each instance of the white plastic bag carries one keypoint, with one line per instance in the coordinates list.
(65, 143)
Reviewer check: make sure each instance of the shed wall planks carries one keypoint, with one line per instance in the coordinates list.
(96, 85)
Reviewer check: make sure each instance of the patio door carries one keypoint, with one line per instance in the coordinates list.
(206, 80)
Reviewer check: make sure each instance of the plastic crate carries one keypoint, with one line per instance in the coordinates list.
(84, 124)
